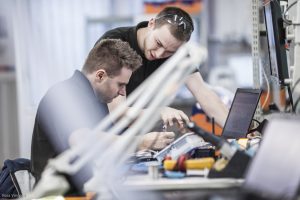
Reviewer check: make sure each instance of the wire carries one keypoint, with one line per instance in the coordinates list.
(289, 22)
(256, 121)
(296, 103)
(148, 151)
(296, 83)
(291, 98)
(293, 90)
(268, 88)
(254, 129)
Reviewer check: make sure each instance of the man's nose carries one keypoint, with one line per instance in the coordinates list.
(122, 91)
(159, 52)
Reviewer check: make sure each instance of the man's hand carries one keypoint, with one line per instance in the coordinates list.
(170, 115)
(156, 140)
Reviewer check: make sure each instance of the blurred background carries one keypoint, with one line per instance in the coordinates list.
(44, 41)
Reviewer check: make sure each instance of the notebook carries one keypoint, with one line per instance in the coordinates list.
(241, 113)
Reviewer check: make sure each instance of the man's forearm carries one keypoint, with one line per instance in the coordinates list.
(208, 100)
(213, 107)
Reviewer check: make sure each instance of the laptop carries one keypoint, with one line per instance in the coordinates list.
(241, 113)
(237, 125)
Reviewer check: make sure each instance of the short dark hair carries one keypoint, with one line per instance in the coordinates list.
(180, 22)
(111, 55)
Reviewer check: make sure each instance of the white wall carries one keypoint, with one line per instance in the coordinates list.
(232, 20)
(50, 41)
(9, 142)
(50, 37)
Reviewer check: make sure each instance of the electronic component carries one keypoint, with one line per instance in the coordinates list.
(182, 145)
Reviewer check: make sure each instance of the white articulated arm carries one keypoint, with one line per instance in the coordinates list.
(101, 144)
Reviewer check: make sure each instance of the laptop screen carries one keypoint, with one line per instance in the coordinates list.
(241, 113)
(274, 171)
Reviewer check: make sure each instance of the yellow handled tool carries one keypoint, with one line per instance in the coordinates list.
(200, 163)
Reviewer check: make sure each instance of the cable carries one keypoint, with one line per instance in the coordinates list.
(289, 22)
(254, 129)
(290, 98)
(296, 103)
(148, 150)
(293, 90)
(268, 88)
(256, 121)
(260, 126)
(296, 83)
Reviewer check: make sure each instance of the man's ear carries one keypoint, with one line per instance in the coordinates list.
(101, 74)
(151, 23)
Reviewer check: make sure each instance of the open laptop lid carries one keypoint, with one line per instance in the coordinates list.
(274, 171)
(241, 113)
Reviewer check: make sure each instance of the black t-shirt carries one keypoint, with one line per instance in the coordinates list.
(68, 106)
(129, 34)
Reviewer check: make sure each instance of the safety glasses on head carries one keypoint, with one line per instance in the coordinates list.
(177, 20)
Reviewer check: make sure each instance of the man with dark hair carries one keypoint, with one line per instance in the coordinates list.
(81, 102)
(157, 40)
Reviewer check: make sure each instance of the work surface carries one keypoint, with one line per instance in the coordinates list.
(144, 187)
(144, 182)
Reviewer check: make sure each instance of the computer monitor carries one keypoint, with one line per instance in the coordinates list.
(276, 42)
(274, 171)
(241, 113)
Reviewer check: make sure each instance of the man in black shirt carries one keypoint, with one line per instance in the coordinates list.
(81, 102)
(157, 40)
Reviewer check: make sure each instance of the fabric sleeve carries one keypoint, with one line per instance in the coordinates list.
(112, 34)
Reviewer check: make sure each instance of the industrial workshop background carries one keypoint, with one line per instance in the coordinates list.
(43, 41)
